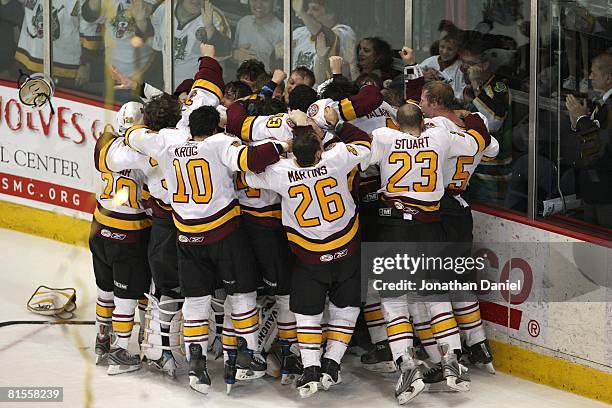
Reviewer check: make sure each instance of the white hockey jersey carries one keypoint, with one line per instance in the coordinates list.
(458, 170)
(65, 23)
(452, 74)
(121, 191)
(187, 40)
(411, 167)
(200, 179)
(119, 31)
(318, 211)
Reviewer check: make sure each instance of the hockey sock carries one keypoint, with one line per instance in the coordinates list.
(399, 329)
(373, 316)
(104, 311)
(287, 330)
(467, 315)
(142, 307)
(245, 317)
(309, 336)
(230, 342)
(443, 324)
(340, 330)
(123, 320)
(422, 326)
(195, 329)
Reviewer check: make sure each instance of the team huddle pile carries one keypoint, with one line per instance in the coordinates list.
(219, 194)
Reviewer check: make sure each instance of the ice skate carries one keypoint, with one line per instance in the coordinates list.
(121, 361)
(330, 373)
(250, 365)
(199, 379)
(410, 383)
(434, 379)
(379, 358)
(308, 383)
(166, 363)
(480, 355)
(455, 373)
(102, 347)
(291, 365)
(230, 370)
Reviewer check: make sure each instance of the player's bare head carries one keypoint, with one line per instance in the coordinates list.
(203, 121)
(235, 90)
(307, 147)
(369, 78)
(162, 111)
(436, 95)
(302, 75)
(410, 116)
(301, 97)
(339, 89)
(249, 71)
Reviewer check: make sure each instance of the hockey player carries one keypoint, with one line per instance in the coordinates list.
(412, 186)
(325, 238)
(118, 242)
(261, 213)
(436, 102)
(212, 246)
(368, 112)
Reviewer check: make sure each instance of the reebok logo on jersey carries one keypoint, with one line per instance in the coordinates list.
(336, 255)
(112, 235)
(326, 258)
(190, 240)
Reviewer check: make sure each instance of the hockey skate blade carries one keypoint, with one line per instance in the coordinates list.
(451, 382)
(287, 379)
(248, 375)
(417, 387)
(228, 388)
(385, 367)
(308, 390)
(116, 369)
(201, 388)
(440, 386)
(488, 367)
(327, 382)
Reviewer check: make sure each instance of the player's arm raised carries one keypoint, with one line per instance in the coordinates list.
(413, 76)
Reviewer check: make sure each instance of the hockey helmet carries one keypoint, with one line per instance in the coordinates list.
(130, 114)
(316, 112)
(35, 90)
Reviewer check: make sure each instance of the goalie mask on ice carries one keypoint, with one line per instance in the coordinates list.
(53, 302)
(35, 90)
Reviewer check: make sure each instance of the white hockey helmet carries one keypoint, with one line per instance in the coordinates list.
(130, 114)
(36, 90)
(316, 112)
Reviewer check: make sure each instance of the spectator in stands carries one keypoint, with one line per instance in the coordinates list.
(259, 35)
(593, 129)
(489, 95)
(11, 17)
(374, 55)
(321, 37)
(446, 66)
(195, 23)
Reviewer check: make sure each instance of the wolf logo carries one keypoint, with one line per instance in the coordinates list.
(37, 23)
(180, 48)
(121, 24)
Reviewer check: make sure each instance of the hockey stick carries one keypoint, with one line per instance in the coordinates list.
(44, 322)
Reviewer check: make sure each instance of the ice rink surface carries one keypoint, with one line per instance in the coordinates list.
(62, 356)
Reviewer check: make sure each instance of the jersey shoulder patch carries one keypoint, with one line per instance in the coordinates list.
(352, 150)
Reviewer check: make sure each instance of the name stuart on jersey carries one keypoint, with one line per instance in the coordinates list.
(407, 144)
(299, 175)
